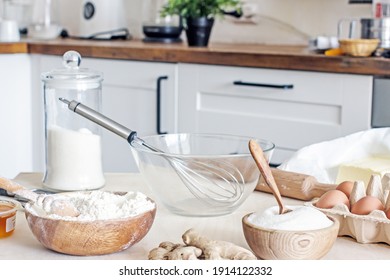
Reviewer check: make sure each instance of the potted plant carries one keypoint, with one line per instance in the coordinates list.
(198, 16)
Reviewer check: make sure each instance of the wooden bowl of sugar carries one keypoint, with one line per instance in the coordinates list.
(269, 243)
(96, 231)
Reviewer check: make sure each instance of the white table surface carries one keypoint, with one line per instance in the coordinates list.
(169, 227)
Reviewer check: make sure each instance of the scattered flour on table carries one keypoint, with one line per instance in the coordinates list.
(99, 205)
(300, 218)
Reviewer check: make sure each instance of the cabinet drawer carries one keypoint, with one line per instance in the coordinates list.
(308, 108)
(307, 87)
(135, 74)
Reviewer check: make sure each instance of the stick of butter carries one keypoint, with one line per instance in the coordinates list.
(362, 169)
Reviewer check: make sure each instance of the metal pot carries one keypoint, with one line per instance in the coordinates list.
(376, 28)
(159, 28)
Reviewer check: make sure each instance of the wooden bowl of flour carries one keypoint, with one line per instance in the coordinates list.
(89, 237)
(271, 244)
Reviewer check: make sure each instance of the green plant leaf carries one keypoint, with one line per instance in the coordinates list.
(200, 8)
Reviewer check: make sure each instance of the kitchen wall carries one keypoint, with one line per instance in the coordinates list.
(290, 21)
(277, 21)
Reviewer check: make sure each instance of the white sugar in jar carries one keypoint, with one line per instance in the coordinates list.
(73, 160)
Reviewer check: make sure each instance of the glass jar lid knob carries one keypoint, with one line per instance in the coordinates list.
(71, 60)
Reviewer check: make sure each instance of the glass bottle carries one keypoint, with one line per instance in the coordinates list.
(380, 8)
(45, 20)
(72, 143)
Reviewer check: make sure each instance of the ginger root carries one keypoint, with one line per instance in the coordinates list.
(216, 249)
(170, 251)
(199, 247)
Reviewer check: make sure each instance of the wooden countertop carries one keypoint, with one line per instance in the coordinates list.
(247, 55)
(11, 48)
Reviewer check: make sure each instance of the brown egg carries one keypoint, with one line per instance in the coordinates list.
(366, 205)
(332, 198)
(346, 187)
(388, 213)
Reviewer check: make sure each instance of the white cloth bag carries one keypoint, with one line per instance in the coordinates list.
(322, 160)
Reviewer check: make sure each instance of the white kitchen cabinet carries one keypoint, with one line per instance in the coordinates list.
(15, 115)
(318, 107)
(129, 96)
(203, 98)
(39, 64)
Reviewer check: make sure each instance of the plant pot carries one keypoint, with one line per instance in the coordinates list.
(198, 31)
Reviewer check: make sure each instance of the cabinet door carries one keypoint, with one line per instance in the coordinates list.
(130, 98)
(318, 106)
(40, 64)
(15, 115)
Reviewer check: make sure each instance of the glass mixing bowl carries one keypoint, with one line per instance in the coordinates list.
(199, 174)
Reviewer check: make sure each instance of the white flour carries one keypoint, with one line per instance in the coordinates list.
(301, 218)
(73, 160)
(97, 205)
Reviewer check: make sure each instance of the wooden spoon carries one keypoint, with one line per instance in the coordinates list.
(265, 170)
(50, 204)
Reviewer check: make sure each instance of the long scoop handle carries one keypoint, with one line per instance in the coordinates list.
(265, 170)
(100, 119)
(55, 206)
(296, 185)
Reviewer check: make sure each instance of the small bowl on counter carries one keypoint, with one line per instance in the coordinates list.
(8, 210)
(199, 174)
(83, 236)
(358, 47)
(275, 244)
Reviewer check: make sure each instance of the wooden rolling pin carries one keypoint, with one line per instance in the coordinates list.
(295, 185)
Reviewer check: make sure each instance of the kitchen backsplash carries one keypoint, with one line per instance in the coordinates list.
(290, 21)
(275, 22)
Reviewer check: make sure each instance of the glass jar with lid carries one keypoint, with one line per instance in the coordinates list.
(72, 143)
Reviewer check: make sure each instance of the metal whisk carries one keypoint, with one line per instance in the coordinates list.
(214, 182)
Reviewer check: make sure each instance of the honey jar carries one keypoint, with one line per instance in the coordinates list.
(8, 209)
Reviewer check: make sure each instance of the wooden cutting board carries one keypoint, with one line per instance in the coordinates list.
(295, 185)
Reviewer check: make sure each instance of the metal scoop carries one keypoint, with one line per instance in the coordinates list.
(50, 203)
(217, 183)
